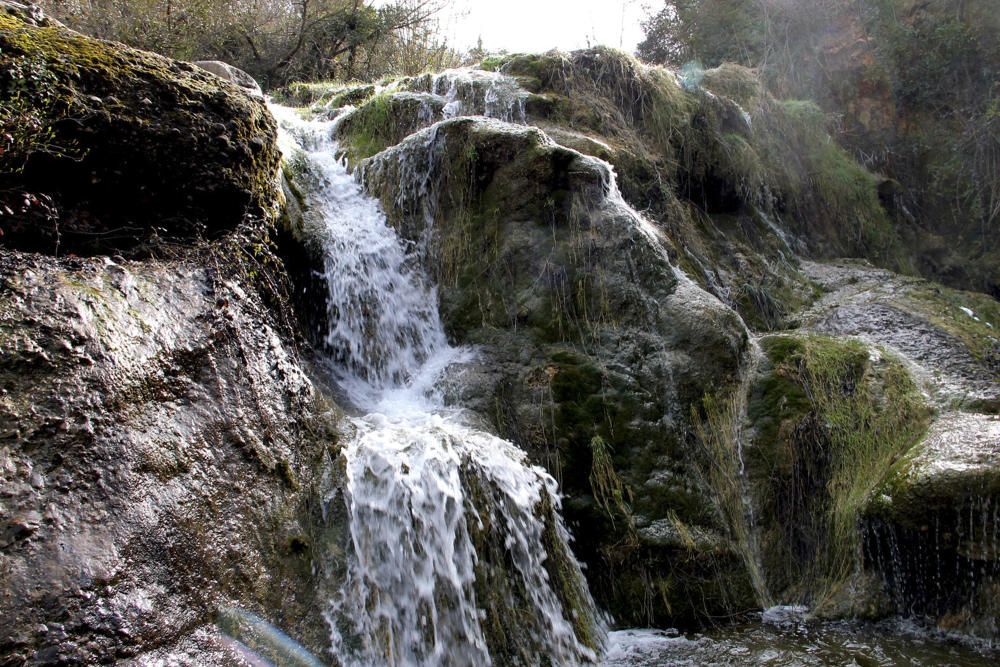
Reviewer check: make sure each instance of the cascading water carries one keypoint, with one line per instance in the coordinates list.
(490, 94)
(415, 593)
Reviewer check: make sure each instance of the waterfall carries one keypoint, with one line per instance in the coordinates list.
(431, 501)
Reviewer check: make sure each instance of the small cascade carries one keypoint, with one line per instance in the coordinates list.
(932, 532)
(748, 535)
(453, 535)
(476, 92)
(944, 568)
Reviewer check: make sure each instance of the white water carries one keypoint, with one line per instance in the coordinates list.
(475, 92)
(410, 596)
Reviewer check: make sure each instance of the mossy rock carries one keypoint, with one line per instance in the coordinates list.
(124, 148)
(384, 120)
(830, 417)
(931, 529)
(590, 337)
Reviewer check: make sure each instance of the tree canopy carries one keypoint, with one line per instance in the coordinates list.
(276, 41)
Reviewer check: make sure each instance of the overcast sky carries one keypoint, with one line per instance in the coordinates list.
(540, 25)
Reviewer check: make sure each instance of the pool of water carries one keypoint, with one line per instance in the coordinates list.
(800, 643)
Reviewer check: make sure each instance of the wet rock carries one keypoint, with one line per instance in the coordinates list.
(933, 529)
(167, 476)
(587, 335)
(952, 352)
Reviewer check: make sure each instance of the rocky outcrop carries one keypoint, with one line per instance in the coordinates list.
(931, 531)
(718, 409)
(594, 347)
(166, 459)
(696, 466)
(110, 149)
(162, 453)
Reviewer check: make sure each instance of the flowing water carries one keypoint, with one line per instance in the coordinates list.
(797, 643)
(426, 493)
(458, 555)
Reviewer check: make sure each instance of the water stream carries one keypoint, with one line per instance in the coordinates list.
(457, 553)
(427, 494)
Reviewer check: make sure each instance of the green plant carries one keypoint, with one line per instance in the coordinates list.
(832, 417)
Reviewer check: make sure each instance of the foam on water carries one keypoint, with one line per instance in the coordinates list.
(410, 596)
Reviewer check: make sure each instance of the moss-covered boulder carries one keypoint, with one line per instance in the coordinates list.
(108, 149)
(592, 348)
(704, 475)
(830, 417)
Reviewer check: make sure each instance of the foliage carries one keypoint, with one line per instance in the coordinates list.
(609, 490)
(913, 85)
(27, 104)
(276, 41)
(687, 30)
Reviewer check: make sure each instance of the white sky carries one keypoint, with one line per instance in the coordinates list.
(540, 25)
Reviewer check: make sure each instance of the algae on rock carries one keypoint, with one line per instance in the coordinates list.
(127, 148)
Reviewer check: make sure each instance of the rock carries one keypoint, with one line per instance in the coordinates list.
(932, 532)
(181, 470)
(26, 12)
(233, 75)
(955, 355)
(587, 334)
(112, 147)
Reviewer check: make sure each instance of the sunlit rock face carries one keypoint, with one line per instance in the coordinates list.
(163, 452)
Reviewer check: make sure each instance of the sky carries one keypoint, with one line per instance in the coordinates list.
(540, 25)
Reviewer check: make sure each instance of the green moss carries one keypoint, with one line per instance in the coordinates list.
(369, 130)
(738, 83)
(105, 119)
(832, 416)
(979, 333)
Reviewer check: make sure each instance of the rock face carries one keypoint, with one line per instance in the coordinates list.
(165, 458)
(111, 149)
(703, 464)
(162, 453)
(931, 530)
(594, 347)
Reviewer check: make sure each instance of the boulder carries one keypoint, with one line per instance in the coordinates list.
(111, 149)
(932, 531)
(163, 457)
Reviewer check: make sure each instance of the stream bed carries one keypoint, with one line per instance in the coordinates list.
(801, 643)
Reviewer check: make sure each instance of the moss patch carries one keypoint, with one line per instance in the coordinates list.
(832, 416)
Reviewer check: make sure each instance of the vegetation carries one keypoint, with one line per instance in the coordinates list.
(832, 417)
(276, 41)
(914, 85)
